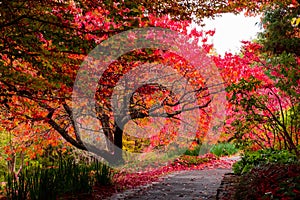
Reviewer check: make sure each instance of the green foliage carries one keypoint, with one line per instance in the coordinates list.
(279, 35)
(67, 177)
(200, 149)
(4, 140)
(193, 151)
(257, 158)
(288, 72)
(224, 149)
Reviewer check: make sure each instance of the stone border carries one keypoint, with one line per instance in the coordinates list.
(228, 186)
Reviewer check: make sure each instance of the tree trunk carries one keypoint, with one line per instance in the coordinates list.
(118, 142)
(104, 119)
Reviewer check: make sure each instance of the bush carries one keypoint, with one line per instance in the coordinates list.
(193, 151)
(270, 181)
(224, 149)
(200, 149)
(257, 158)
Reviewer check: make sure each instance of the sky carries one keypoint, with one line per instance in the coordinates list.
(230, 30)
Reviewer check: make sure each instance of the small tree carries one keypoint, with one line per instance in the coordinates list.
(267, 110)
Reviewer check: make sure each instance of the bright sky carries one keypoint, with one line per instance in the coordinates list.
(230, 30)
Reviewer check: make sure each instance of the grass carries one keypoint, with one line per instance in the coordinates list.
(67, 177)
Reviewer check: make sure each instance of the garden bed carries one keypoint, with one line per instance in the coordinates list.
(270, 181)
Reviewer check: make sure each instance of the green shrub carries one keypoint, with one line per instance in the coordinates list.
(194, 151)
(224, 149)
(200, 149)
(253, 159)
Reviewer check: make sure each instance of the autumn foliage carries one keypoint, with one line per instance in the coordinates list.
(43, 44)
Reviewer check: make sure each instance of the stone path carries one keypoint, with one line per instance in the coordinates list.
(187, 185)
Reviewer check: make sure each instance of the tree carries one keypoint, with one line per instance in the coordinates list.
(283, 67)
(42, 50)
(279, 35)
(139, 103)
(266, 107)
(199, 9)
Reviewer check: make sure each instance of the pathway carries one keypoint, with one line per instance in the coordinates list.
(187, 185)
